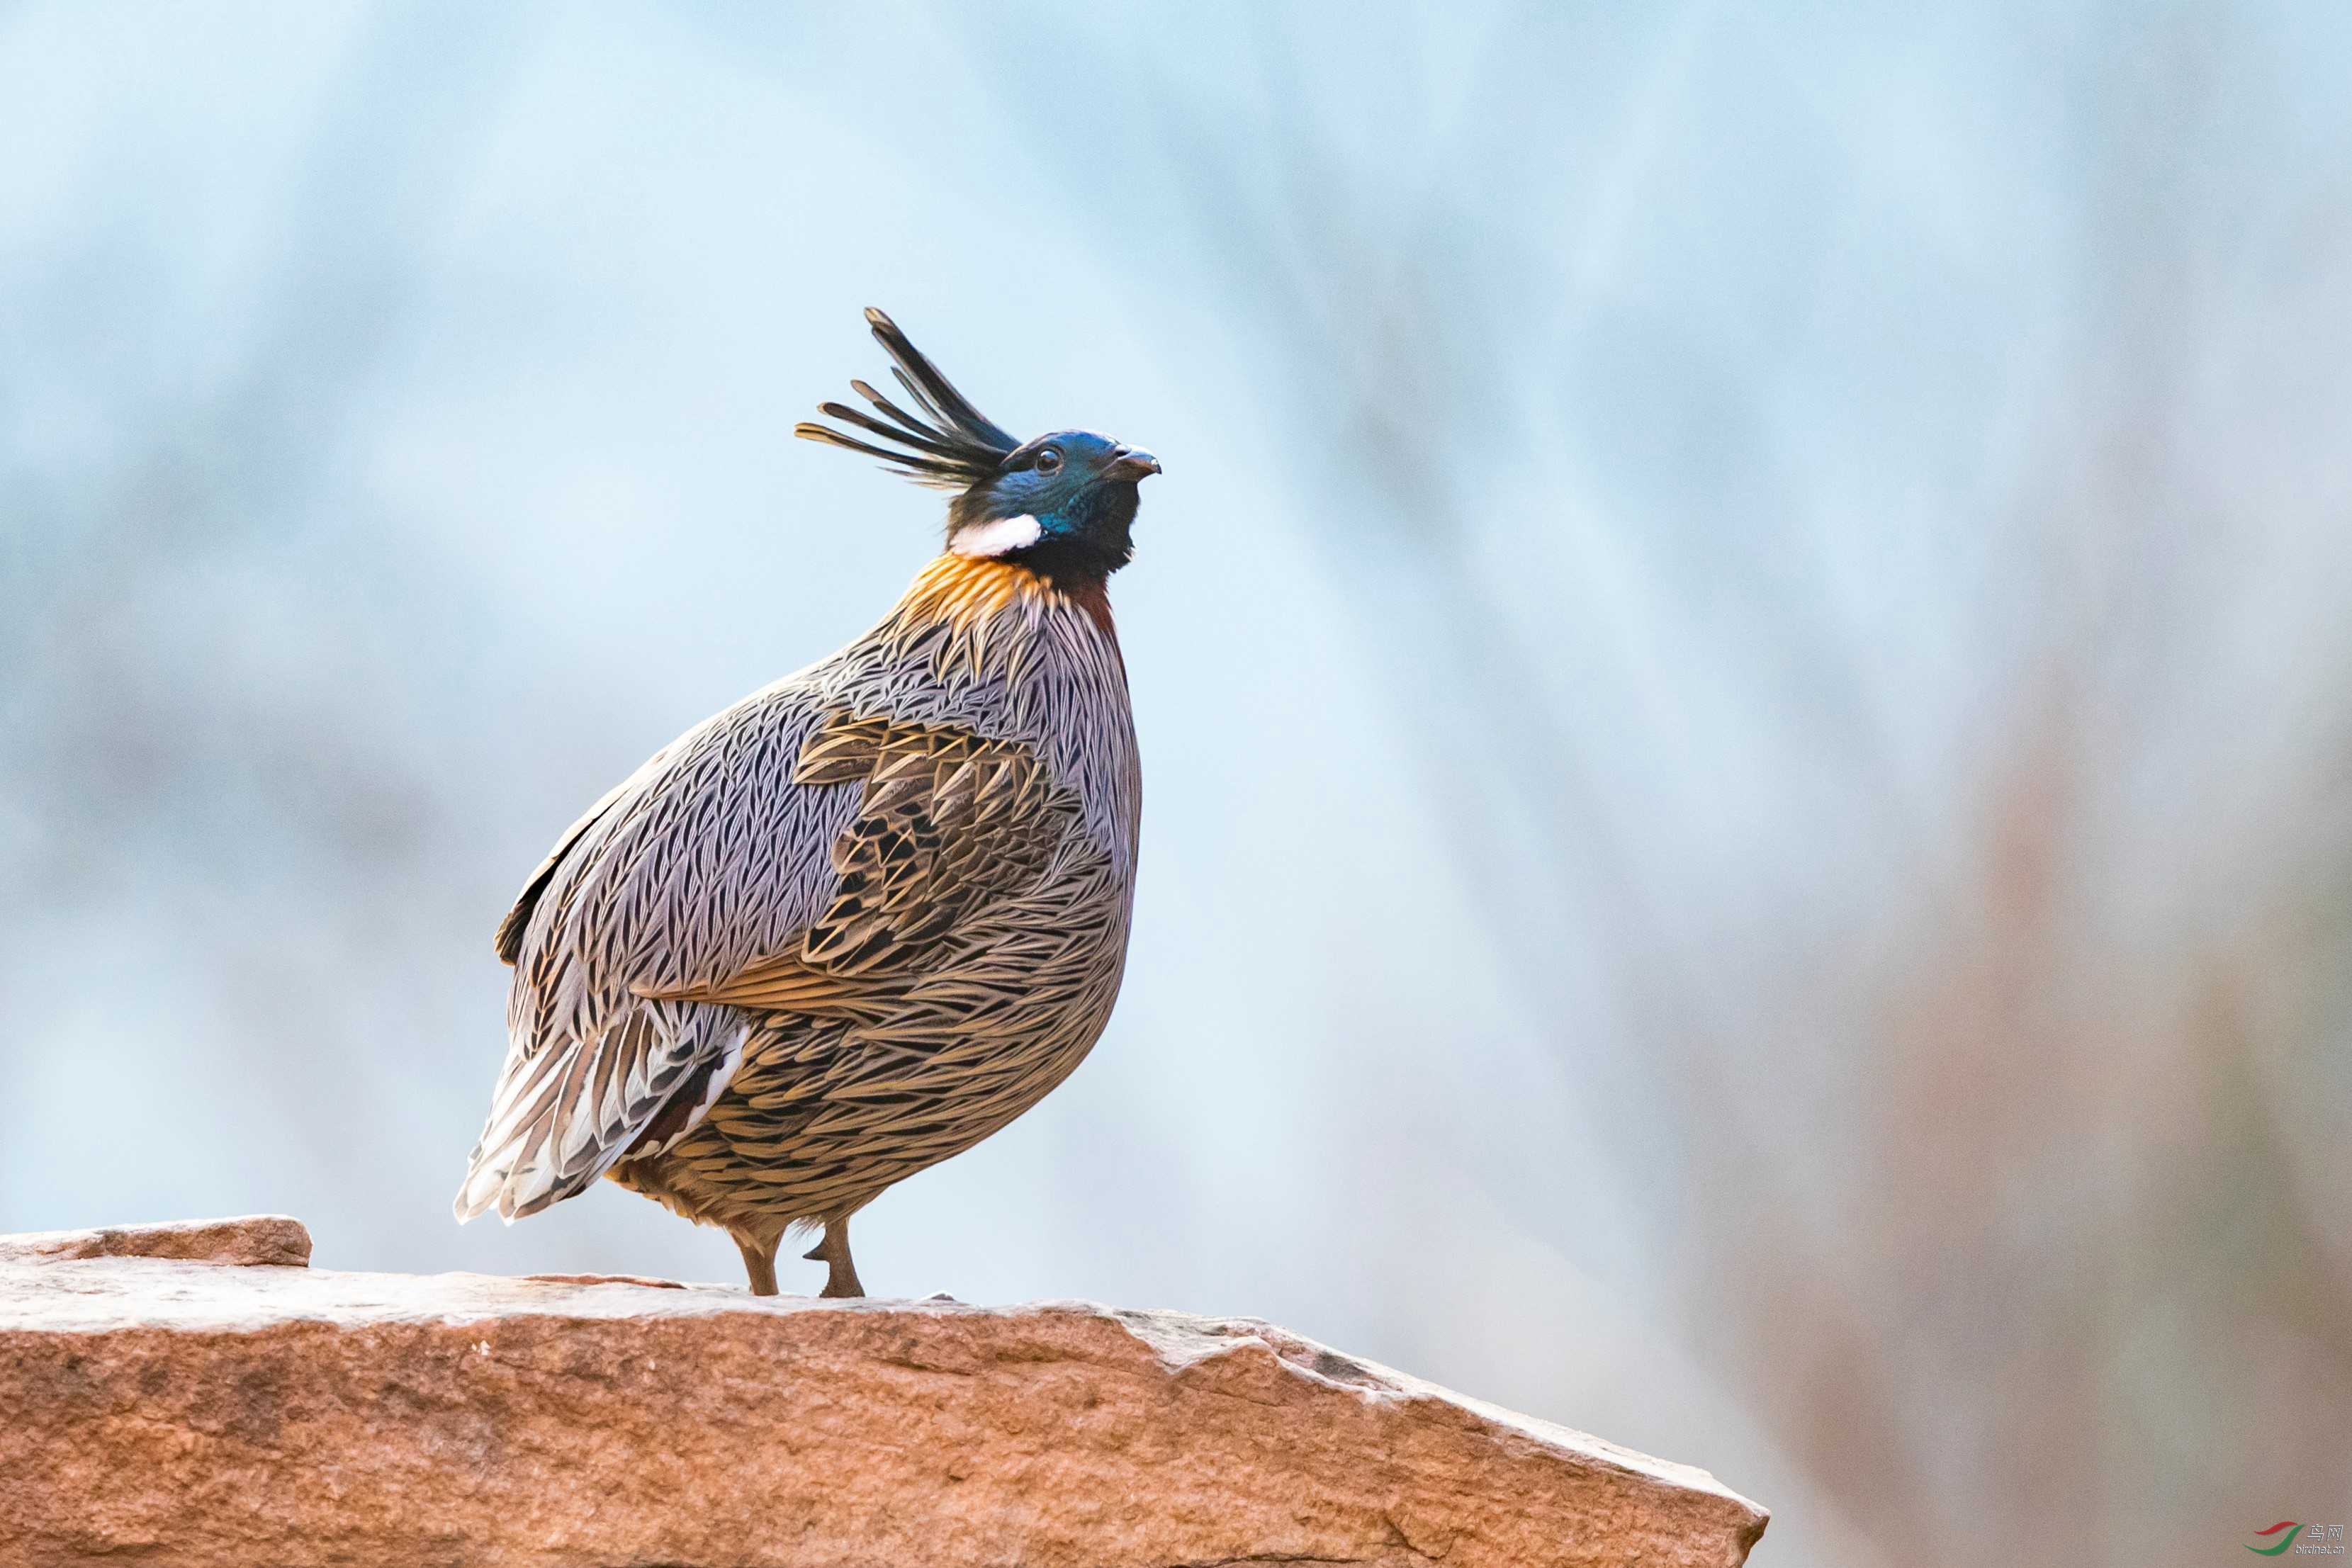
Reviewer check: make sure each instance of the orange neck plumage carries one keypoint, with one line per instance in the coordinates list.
(969, 591)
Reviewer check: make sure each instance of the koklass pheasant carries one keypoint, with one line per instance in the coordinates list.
(864, 918)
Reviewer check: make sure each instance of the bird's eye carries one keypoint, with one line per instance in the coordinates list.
(1048, 460)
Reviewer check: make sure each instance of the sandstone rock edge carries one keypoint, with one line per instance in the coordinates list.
(165, 1410)
(251, 1239)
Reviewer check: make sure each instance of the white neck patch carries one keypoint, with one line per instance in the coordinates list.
(1002, 536)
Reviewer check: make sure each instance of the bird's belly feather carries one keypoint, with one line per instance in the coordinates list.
(828, 1108)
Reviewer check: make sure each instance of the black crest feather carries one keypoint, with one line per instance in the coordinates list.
(948, 443)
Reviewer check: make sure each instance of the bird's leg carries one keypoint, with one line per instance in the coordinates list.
(759, 1263)
(834, 1252)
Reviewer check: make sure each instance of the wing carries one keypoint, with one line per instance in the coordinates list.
(687, 868)
(508, 939)
(786, 859)
(947, 821)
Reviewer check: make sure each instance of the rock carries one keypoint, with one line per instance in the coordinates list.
(255, 1239)
(171, 1411)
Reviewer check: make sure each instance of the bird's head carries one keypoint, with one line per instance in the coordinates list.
(1061, 505)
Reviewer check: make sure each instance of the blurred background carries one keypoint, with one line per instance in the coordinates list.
(1743, 662)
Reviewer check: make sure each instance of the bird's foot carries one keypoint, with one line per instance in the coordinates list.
(759, 1263)
(840, 1274)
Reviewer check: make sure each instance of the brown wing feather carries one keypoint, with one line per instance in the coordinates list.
(948, 820)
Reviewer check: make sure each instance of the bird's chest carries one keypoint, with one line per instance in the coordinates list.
(1042, 679)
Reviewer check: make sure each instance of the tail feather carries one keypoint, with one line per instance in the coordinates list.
(565, 1114)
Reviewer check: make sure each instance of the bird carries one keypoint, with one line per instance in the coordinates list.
(866, 916)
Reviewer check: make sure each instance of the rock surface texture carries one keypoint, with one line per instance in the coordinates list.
(194, 1394)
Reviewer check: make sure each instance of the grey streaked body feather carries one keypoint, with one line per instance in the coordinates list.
(836, 933)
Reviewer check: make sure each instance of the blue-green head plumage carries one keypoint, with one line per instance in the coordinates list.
(1061, 503)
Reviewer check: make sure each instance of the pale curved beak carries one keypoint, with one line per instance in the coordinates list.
(1132, 465)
